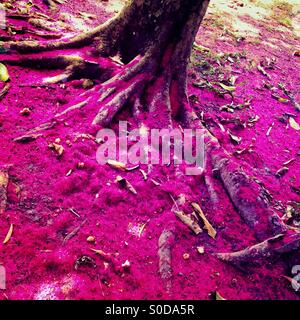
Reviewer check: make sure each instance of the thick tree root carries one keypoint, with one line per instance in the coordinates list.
(246, 194)
(270, 249)
(76, 67)
(33, 46)
(165, 243)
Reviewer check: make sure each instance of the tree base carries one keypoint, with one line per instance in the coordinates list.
(154, 85)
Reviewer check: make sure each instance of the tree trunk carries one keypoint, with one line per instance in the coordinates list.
(147, 23)
(162, 32)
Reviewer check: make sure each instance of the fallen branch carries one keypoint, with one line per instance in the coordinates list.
(269, 249)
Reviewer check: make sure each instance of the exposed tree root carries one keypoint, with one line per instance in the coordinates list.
(75, 67)
(33, 46)
(165, 243)
(270, 249)
(245, 193)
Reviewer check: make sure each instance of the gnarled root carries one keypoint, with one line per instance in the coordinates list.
(246, 194)
(270, 249)
(76, 67)
(33, 46)
(139, 84)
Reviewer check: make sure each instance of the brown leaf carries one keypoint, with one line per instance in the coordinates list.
(59, 149)
(189, 221)
(296, 53)
(9, 234)
(4, 91)
(126, 184)
(211, 231)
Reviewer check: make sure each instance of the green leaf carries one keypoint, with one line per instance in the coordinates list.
(4, 76)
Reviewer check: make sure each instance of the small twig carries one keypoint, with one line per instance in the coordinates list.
(74, 212)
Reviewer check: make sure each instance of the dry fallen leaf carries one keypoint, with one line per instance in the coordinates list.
(9, 234)
(125, 184)
(200, 250)
(219, 297)
(227, 88)
(189, 221)
(59, 149)
(25, 112)
(294, 124)
(292, 281)
(102, 253)
(263, 71)
(80, 165)
(126, 264)
(296, 53)
(116, 165)
(234, 138)
(281, 172)
(4, 76)
(90, 239)
(211, 231)
(279, 98)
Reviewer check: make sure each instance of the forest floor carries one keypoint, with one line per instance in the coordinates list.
(58, 208)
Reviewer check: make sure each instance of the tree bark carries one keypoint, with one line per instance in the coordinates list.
(144, 23)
